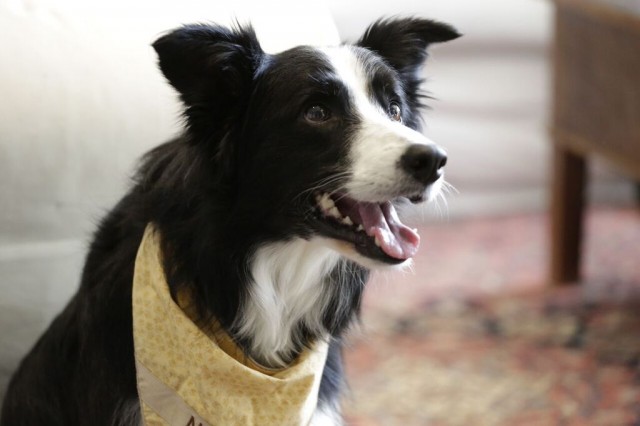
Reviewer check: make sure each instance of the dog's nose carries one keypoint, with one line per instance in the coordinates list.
(424, 162)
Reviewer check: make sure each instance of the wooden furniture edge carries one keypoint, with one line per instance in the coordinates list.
(582, 147)
(621, 16)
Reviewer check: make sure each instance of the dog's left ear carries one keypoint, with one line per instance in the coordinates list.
(403, 42)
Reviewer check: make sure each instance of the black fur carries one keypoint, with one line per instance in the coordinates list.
(231, 183)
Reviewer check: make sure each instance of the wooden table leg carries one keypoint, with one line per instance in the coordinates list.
(567, 204)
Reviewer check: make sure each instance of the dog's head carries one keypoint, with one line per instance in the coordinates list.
(313, 142)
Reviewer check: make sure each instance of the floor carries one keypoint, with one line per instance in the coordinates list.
(476, 336)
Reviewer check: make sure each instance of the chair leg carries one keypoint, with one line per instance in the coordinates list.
(567, 203)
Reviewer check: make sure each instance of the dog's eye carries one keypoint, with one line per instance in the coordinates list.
(395, 113)
(317, 113)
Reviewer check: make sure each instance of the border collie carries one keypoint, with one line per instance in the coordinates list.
(274, 204)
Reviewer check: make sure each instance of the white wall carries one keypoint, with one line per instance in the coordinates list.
(514, 21)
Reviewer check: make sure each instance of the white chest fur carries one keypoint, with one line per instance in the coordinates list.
(289, 288)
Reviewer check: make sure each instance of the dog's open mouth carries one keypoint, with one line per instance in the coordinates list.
(373, 228)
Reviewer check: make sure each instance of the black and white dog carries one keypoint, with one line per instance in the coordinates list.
(274, 203)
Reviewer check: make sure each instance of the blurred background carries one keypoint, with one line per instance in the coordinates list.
(477, 333)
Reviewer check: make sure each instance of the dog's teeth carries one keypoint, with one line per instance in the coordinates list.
(347, 221)
(376, 241)
(326, 203)
(334, 212)
(359, 228)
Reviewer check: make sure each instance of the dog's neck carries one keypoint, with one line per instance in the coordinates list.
(294, 284)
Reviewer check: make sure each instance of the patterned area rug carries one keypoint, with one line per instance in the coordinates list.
(476, 336)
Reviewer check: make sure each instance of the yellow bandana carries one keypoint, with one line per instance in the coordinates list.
(191, 377)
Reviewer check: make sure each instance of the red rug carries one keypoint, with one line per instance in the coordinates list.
(475, 336)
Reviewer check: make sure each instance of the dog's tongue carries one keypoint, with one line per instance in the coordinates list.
(396, 239)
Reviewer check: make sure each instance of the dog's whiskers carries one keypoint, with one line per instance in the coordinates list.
(448, 188)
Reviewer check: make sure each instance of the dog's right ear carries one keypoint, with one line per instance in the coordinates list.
(211, 67)
(403, 42)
